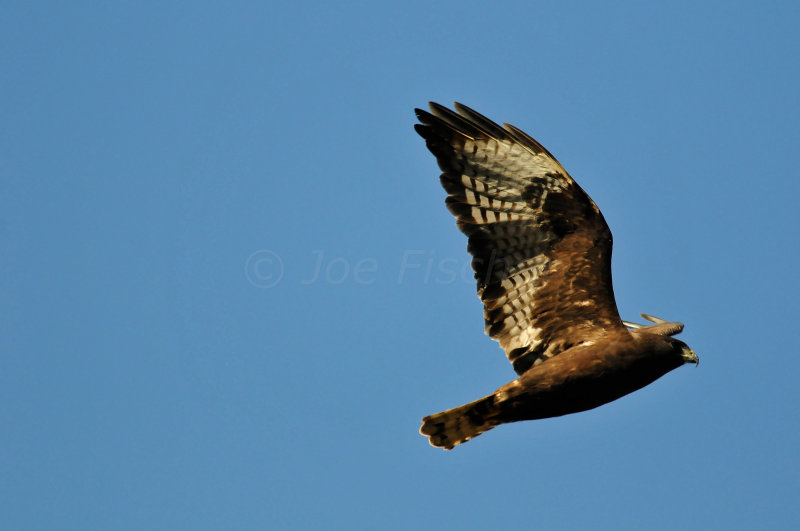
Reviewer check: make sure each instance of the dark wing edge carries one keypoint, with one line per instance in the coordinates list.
(541, 248)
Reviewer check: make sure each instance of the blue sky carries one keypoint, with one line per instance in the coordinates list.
(231, 289)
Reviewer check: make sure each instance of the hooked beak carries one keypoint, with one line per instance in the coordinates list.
(690, 357)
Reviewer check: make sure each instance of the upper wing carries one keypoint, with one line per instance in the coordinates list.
(662, 327)
(541, 248)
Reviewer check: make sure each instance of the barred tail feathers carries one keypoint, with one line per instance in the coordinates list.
(460, 424)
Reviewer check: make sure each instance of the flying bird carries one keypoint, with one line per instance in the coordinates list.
(542, 260)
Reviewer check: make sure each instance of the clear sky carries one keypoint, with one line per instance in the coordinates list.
(230, 287)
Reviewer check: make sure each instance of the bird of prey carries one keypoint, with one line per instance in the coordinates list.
(542, 260)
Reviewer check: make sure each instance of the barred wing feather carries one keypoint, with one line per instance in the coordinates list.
(540, 246)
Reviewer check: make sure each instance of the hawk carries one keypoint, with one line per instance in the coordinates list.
(542, 259)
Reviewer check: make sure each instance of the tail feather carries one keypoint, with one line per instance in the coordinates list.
(460, 424)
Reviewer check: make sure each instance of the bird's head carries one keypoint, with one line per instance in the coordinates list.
(682, 349)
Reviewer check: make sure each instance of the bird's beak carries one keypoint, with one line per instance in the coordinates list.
(690, 357)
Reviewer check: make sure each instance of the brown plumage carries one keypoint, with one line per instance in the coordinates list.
(542, 260)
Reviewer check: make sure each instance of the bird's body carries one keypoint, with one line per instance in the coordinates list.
(578, 379)
(542, 261)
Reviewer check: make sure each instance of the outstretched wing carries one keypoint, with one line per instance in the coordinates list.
(541, 248)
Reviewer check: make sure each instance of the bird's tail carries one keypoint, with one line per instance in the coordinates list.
(460, 424)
